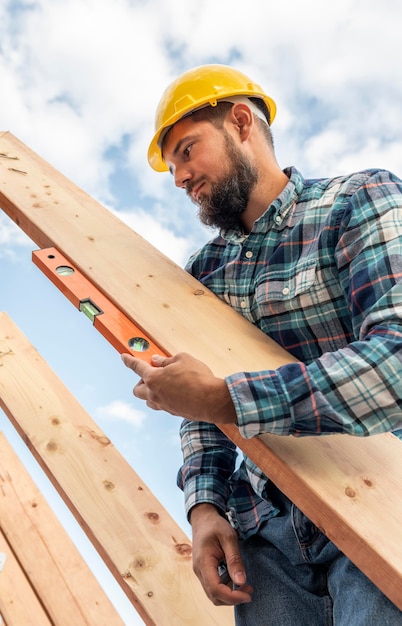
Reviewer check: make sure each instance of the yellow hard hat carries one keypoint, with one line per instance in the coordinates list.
(195, 88)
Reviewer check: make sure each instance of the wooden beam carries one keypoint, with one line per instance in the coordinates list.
(152, 290)
(332, 479)
(43, 551)
(144, 548)
(19, 603)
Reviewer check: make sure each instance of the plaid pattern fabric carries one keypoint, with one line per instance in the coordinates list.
(321, 273)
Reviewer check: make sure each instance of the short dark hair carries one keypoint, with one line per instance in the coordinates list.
(217, 114)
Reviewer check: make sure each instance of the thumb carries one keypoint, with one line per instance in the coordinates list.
(127, 359)
(138, 366)
(235, 565)
(158, 360)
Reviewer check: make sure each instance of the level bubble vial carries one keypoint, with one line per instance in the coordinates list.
(90, 309)
(138, 344)
(64, 270)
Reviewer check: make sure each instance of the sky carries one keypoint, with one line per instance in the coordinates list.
(79, 84)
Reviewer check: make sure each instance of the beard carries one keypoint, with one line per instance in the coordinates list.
(230, 195)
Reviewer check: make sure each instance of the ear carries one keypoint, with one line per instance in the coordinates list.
(242, 117)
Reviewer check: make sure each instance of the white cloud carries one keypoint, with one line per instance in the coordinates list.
(122, 411)
(11, 237)
(80, 81)
(78, 77)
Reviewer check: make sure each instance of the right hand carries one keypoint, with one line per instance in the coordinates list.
(214, 540)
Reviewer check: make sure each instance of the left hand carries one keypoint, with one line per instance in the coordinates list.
(182, 385)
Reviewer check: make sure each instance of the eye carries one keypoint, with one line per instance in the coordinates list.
(187, 150)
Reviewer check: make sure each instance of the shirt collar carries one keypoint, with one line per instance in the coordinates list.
(276, 211)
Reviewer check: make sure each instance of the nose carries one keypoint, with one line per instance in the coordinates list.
(181, 176)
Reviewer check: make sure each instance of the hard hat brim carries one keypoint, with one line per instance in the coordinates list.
(155, 158)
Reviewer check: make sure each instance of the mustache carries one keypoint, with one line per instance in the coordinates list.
(192, 184)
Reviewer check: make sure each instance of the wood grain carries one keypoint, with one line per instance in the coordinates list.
(144, 548)
(58, 582)
(318, 474)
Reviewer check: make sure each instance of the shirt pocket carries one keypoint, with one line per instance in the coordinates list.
(288, 289)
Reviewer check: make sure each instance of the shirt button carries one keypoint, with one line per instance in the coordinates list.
(286, 291)
(278, 220)
(249, 254)
(243, 304)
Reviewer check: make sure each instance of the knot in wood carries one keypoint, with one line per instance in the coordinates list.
(184, 549)
(351, 493)
(102, 439)
(51, 446)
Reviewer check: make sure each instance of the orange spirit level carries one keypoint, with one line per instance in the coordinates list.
(116, 327)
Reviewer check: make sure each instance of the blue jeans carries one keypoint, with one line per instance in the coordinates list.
(301, 579)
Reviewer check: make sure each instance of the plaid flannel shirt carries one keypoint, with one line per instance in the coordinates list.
(320, 273)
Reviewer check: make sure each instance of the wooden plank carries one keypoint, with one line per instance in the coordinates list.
(19, 604)
(46, 553)
(352, 490)
(156, 294)
(54, 212)
(144, 548)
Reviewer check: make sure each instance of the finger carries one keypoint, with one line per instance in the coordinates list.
(153, 406)
(230, 597)
(138, 366)
(235, 566)
(236, 569)
(223, 593)
(140, 390)
(158, 360)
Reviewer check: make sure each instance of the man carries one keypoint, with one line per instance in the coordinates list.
(317, 265)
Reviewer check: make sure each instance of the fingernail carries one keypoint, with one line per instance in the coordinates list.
(239, 578)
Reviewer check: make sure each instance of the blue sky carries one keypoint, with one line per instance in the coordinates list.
(79, 83)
